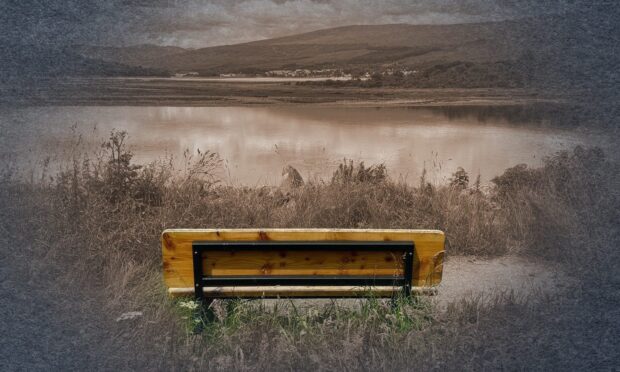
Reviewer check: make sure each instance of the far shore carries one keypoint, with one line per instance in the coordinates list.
(223, 92)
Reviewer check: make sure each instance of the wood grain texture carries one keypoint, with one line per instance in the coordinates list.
(298, 291)
(178, 269)
(305, 262)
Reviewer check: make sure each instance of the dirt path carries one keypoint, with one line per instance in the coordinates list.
(466, 277)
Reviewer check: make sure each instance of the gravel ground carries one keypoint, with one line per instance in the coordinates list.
(465, 277)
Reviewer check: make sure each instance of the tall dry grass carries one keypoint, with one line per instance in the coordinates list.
(101, 218)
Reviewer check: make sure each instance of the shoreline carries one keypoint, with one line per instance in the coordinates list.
(190, 93)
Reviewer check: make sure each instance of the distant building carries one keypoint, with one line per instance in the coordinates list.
(305, 73)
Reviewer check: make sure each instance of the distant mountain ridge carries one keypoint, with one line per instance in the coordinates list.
(335, 47)
(573, 49)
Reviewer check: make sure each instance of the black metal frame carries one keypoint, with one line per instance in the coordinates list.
(201, 281)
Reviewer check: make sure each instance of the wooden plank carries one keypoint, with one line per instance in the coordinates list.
(263, 263)
(178, 266)
(298, 291)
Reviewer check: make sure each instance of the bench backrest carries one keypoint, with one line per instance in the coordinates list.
(300, 262)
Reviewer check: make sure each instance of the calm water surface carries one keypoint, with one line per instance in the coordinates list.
(257, 142)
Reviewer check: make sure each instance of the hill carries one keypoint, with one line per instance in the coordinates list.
(573, 49)
(340, 47)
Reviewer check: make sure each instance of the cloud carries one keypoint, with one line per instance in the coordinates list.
(199, 23)
(193, 23)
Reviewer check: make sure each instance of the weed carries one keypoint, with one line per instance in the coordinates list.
(95, 229)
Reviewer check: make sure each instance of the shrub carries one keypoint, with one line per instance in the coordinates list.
(460, 179)
(347, 172)
(119, 175)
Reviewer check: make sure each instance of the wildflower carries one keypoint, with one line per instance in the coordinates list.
(192, 305)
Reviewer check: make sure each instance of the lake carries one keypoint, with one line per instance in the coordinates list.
(257, 142)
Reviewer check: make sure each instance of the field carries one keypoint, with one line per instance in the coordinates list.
(81, 247)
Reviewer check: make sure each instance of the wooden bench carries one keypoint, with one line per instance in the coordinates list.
(212, 263)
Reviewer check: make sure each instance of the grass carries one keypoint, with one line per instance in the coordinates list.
(101, 217)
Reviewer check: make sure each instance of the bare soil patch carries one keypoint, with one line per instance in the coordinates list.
(467, 277)
(170, 92)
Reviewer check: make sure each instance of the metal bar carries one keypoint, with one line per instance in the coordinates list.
(340, 280)
(408, 270)
(200, 280)
(197, 259)
(303, 245)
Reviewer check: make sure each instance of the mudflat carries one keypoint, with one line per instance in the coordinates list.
(195, 92)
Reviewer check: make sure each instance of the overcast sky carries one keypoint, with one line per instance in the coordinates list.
(199, 23)
(196, 23)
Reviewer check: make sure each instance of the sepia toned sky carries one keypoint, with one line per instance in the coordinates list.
(201, 23)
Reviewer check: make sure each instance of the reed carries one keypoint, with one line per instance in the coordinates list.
(101, 217)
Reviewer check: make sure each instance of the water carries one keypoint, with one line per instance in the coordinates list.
(257, 142)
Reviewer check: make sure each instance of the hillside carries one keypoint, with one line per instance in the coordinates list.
(341, 47)
(560, 51)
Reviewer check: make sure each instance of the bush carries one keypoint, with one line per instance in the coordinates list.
(460, 179)
(81, 226)
(347, 172)
(119, 174)
(553, 209)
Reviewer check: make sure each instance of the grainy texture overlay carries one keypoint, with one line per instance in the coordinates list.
(494, 122)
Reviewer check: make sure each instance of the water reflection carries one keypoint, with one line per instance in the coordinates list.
(257, 142)
(540, 114)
